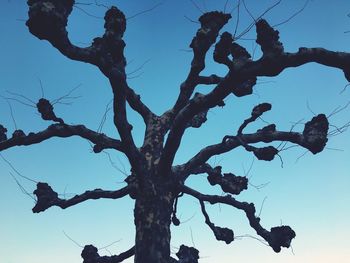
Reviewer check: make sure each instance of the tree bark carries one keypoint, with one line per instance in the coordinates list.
(153, 209)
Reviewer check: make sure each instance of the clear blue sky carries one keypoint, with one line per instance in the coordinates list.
(311, 195)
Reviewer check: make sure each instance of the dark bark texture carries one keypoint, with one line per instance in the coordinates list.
(155, 182)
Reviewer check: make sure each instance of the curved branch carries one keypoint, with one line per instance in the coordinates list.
(90, 255)
(100, 140)
(46, 197)
(48, 20)
(313, 138)
(224, 234)
(277, 237)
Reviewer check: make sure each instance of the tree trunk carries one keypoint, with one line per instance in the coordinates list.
(152, 220)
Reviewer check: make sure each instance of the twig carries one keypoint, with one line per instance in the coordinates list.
(20, 95)
(111, 244)
(253, 237)
(347, 85)
(192, 238)
(237, 20)
(42, 88)
(196, 6)
(71, 239)
(87, 13)
(191, 20)
(262, 205)
(104, 116)
(338, 109)
(294, 15)
(225, 6)
(247, 10)
(17, 100)
(22, 188)
(11, 112)
(309, 108)
(145, 11)
(302, 155)
(67, 96)
(15, 170)
(252, 24)
(139, 68)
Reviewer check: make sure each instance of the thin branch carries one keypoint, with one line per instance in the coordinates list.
(24, 191)
(67, 96)
(16, 171)
(259, 17)
(262, 206)
(144, 11)
(237, 19)
(41, 88)
(225, 6)
(338, 109)
(11, 112)
(87, 13)
(294, 15)
(196, 6)
(21, 96)
(71, 239)
(111, 244)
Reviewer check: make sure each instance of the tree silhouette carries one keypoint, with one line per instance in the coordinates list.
(155, 182)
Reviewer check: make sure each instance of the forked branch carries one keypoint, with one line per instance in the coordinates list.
(277, 237)
(313, 138)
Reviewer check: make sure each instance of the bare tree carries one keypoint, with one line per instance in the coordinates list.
(155, 182)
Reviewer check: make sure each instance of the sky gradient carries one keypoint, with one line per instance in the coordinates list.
(311, 194)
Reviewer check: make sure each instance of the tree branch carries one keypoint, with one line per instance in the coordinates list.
(277, 237)
(90, 255)
(313, 138)
(48, 20)
(47, 198)
(228, 182)
(211, 24)
(242, 77)
(224, 234)
(101, 141)
(273, 65)
(275, 60)
(137, 105)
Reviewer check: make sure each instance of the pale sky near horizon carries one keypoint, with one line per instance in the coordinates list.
(311, 194)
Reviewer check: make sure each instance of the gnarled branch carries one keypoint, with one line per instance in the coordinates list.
(313, 138)
(277, 237)
(90, 255)
(46, 197)
(224, 234)
(211, 24)
(100, 140)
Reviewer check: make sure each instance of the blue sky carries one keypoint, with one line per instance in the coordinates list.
(310, 194)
